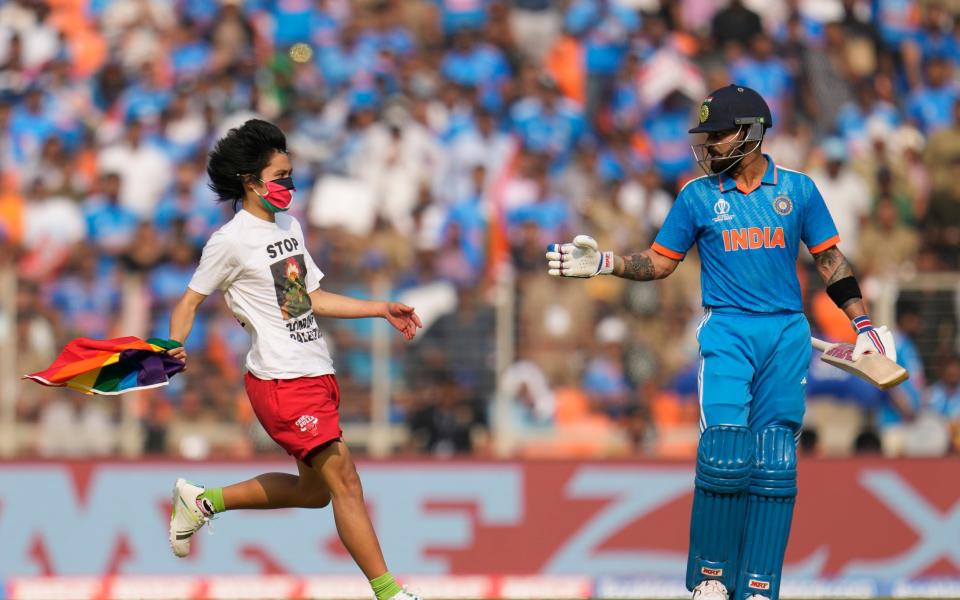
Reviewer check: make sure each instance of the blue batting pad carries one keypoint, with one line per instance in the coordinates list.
(773, 490)
(724, 464)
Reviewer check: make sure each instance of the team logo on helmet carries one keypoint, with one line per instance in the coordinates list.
(705, 109)
(783, 205)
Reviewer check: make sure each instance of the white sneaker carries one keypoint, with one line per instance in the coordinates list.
(187, 516)
(405, 595)
(710, 589)
(757, 597)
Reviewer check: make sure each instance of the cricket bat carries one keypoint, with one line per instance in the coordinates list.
(875, 368)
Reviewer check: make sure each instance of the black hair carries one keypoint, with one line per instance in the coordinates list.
(245, 150)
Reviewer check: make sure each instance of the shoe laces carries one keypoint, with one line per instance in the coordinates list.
(204, 518)
(410, 595)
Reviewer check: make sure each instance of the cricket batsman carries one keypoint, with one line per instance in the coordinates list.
(747, 217)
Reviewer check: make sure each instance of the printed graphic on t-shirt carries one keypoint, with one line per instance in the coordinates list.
(292, 294)
(293, 299)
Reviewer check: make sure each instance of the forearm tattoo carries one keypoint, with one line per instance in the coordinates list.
(638, 267)
(832, 265)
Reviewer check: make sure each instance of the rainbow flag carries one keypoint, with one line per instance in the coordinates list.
(111, 367)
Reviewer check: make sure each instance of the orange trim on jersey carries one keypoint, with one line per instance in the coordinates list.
(825, 244)
(663, 250)
(748, 190)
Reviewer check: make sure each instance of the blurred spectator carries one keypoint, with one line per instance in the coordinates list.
(456, 15)
(445, 422)
(443, 348)
(88, 300)
(110, 225)
(938, 335)
(945, 392)
(944, 398)
(846, 195)
(604, 27)
(470, 217)
(827, 77)
(930, 106)
(145, 171)
(30, 125)
(896, 20)
(604, 378)
(735, 24)
(854, 116)
(535, 25)
(554, 320)
(482, 145)
(904, 402)
(934, 38)
(886, 244)
(766, 73)
(942, 223)
(548, 123)
(51, 226)
(478, 65)
(76, 426)
(550, 213)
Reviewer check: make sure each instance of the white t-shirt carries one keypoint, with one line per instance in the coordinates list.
(266, 274)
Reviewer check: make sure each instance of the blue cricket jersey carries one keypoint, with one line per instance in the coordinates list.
(748, 240)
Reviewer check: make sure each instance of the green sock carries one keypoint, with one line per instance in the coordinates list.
(385, 587)
(214, 499)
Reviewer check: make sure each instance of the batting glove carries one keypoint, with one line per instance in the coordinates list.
(582, 258)
(878, 340)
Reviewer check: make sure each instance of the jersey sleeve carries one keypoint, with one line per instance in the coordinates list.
(217, 266)
(679, 230)
(314, 274)
(817, 230)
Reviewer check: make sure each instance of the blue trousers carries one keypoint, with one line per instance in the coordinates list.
(753, 369)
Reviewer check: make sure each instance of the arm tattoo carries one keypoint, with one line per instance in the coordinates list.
(638, 267)
(832, 265)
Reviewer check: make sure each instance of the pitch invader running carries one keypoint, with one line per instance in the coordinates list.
(272, 285)
(747, 217)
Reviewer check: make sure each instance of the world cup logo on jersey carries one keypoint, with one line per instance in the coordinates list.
(722, 208)
(782, 205)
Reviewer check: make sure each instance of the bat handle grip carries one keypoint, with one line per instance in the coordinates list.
(820, 344)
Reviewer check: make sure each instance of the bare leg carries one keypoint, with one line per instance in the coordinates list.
(278, 490)
(336, 469)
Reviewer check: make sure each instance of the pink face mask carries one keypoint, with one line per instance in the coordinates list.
(279, 194)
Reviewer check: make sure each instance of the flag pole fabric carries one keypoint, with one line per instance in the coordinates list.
(110, 367)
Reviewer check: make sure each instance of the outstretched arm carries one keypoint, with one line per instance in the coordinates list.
(403, 318)
(583, 258)
(644, 266)
(181, 320)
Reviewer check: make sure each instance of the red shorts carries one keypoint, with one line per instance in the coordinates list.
(301, 415)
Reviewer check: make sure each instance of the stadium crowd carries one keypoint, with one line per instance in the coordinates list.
(438, 146)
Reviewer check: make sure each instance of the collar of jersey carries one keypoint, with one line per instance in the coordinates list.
(727, 182)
